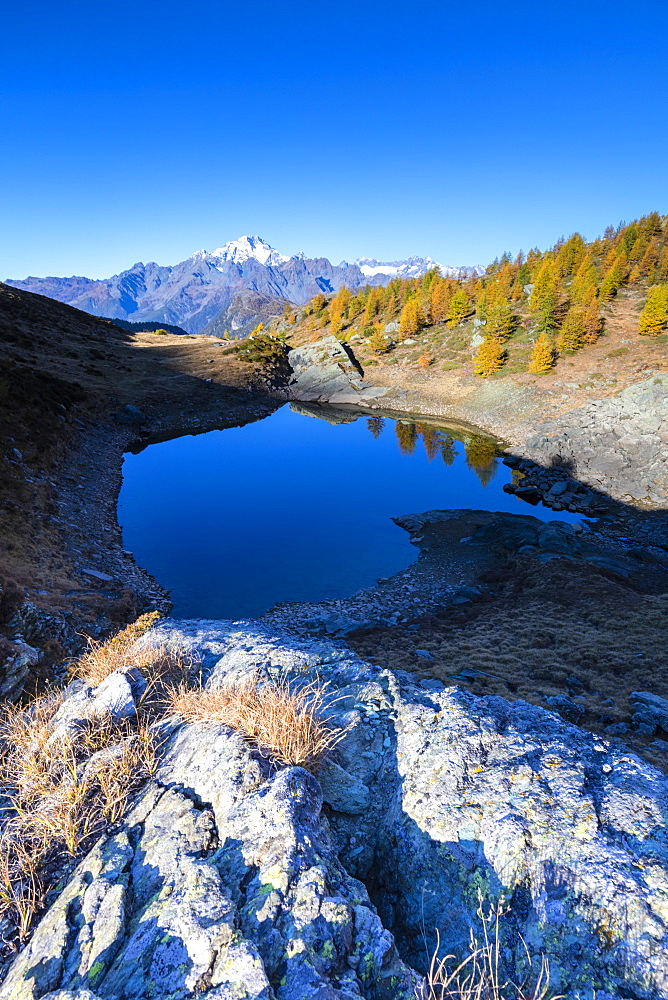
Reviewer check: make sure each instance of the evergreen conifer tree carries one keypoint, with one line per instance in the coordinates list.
(378, 343)
(440, 301)
(459, 306)
(500, 320)
(661, 270)
(654, 317)
(542, 355)
(593, 324)
(411, 319)
(614, 277)
(585, 282)
(544, 296)
(490, 357)
(570, 255)
(571, 335)
(650, 258)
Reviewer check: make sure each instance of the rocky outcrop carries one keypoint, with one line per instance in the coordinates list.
(328, 372)
(619, 444)
(232, 878)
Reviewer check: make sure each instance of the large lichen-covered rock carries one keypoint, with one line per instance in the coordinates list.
(326, 371)
(221, 883)
(472, 796)
(230, 879)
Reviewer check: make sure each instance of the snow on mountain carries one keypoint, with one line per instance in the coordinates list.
(243, 249)
(412, 267)
(254, 247)
(205, 287)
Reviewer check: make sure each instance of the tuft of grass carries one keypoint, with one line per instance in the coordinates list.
(164, 666)
(478, 976)
(618, 353)
(102, 658)
(283, 721)
(61, 792)
(22, 886)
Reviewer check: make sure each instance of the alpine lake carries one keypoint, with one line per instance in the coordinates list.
(298, 506)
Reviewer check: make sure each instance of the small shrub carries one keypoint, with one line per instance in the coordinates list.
(262, 348)
(283, 721)
(379, 343)
(161, 332)
(425, 360)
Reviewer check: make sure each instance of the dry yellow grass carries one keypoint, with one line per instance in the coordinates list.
(283, 721)
(63, 790)
(478, 976)
(102, 658)
(163, 666)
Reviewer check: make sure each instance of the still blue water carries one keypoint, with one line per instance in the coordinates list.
(293, 508)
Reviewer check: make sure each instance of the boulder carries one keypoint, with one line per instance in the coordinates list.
(16, 668)
(327, 371)
(130, 416)
(113, 696)
(651, 711)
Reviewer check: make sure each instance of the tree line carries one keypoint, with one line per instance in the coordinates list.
(557, 294)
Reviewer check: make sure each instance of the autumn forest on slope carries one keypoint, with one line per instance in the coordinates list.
(522, 315)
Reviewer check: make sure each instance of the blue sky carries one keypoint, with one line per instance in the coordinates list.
(145, 130)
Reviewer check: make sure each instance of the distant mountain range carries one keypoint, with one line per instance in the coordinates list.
(208, 292)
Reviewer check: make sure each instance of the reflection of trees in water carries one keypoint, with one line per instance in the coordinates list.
(448, 452)
(481, 453)
(431, 439)
(406, 436)
(435, 441)
(375, 426)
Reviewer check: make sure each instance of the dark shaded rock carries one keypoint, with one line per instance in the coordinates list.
(566, 708)
(130, 416)
(650, 708)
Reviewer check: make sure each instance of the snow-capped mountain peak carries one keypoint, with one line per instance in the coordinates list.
(412, 267)
(245, 248)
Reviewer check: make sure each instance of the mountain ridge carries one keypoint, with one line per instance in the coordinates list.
(196, 291)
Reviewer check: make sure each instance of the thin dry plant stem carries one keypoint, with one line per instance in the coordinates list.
(477, 976)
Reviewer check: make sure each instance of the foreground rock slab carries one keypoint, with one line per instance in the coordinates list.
(232, 878)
